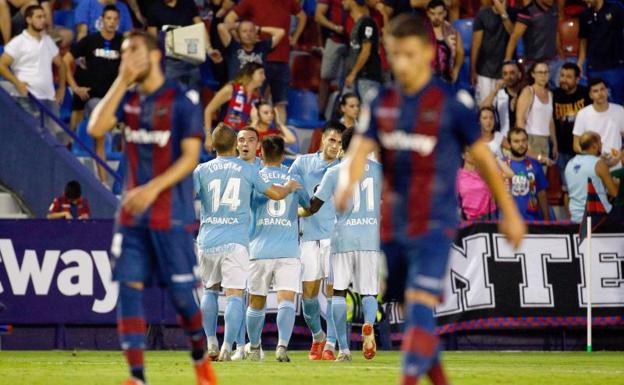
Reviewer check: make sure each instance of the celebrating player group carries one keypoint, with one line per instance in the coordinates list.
(299, 230)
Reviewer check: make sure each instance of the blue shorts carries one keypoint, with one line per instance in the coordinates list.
(139, 253)
(278, 78)
(418, 263)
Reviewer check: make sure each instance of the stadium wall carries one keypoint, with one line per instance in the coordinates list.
(36, 167)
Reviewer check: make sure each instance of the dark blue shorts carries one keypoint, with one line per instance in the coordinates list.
(278, 78)
(419, 263)
(140, 254)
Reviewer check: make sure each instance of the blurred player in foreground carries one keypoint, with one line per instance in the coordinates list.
(420, 127)
(163, 135)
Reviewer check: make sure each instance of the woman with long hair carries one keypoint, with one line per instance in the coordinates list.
(267, 121)
(241, 95)
(349, 109)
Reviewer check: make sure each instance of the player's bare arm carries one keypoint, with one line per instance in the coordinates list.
(278, 192)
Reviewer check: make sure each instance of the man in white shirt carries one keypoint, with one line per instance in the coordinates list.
(606, 119)
(27, 63)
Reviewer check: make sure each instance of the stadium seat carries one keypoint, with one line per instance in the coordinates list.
(64, 18)
(568, 31)
(303, 109)
(305, 72)
(464, 27)
(66, 106)
(83, 135)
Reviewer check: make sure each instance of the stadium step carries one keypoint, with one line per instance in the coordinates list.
(9, 208)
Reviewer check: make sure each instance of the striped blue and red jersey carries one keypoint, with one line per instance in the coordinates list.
(238, 114)
(154, 127)
(421, 138)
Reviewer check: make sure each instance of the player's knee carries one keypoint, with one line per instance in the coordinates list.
(310, 289)
(286, 295)
(340, 293)
(257, 302)
(422, 296)
(183, 299)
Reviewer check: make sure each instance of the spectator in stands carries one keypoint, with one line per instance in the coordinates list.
(70, 205)
(101, 52)
(241, 95)
(528, 185)
(607, 119)
(537, 24)
(396, 7)
(449, 46)
(491, 29)
(27, 63)
(588, 165)
(349, 109)
(88, 17)
(247, 49)
(602, 44)
(475, 198)
(535, 112)
(568, 99)
(364, 63)
(504, 97)
(331, 16)
(267, 121)
(274, 13)
(490, 134)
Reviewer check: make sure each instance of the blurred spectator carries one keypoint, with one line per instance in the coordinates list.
(274, 13)
(606, 119)
(475, 198)
(528, 185)
(491, 29)
(505, 96)
(70, 205)
(602, 44)
(449, 46)
(490, 134)
(588, 164)
(27, 63)
(248, 49)
(331, 16)
(349, 109)
(568, 99)
(537, 24)
(180, 13)
(396, 7)
(89, 17)
(364, 63)
(241, 95)
(13, 20)
(267, 121)
(535, 112)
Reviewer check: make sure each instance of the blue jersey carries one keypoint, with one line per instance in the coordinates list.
(310, 169)
(274, 226)
(224, 186)
(357, 229)
(155, 126)
(527, 182)
(421, 138)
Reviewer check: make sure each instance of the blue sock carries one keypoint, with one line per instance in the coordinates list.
(240, 339)
(255, 322)
(331, 328)
(369, 304)
(285, 322)
(312, 314)
(210, 312)
(131, 328)
(234, 313)
(420, 343)
(339, 309)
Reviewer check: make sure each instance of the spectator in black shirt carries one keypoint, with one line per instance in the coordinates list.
(364, 63)
(247, 49)
(180, 13)
(568, 99)
(602, 44)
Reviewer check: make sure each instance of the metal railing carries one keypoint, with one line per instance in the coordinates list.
(45, 111)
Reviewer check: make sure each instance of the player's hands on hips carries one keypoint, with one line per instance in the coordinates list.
(514, 228)
(140, 199)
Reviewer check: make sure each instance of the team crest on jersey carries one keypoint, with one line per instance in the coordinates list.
(130, 109)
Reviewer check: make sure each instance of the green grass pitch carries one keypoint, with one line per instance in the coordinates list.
(173, 368)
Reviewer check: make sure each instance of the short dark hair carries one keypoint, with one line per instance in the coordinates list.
(588, 139)
(334, 125)
(346, 138)
(595, 81)
(150, 41)
(409, 25)
(515, 131)
(73, 190)
(110, 8)
(30, 10)
(572, 67)
(272, 148)
(486, 108)
(435, 4)
(250, 129)
(223, 138)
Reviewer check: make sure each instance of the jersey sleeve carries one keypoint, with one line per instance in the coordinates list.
(55, 207)
(524, 17)
(295, 169)
(327, 187)
(12, 48)
(477, 25)
(258, 181)
(367, 124)
(579, 124)
(196, 181)
(465, 118)
(190, 115)
(368, 31)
